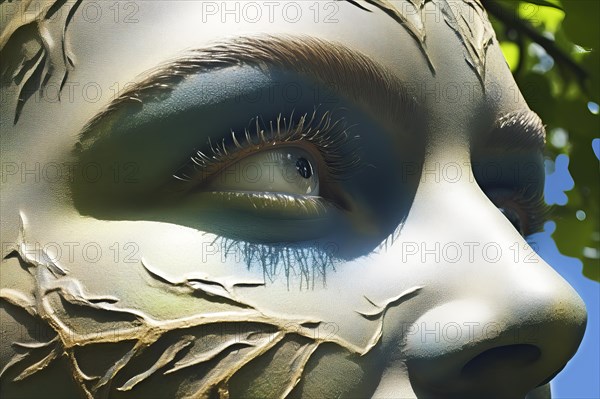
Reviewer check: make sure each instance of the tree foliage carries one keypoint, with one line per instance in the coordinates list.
(552, 47)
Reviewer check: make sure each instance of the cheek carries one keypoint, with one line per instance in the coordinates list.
(134, 260)
(115, 282)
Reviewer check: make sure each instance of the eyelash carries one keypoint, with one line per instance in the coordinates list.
(535, 209)
(329, 137)
(310, 263)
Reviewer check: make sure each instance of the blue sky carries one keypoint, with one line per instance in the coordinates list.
(579, 379)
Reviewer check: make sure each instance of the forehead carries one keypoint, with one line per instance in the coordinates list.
(444, 49)
(149, 31)
(203, 20)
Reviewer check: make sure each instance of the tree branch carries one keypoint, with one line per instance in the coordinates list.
(511, 20)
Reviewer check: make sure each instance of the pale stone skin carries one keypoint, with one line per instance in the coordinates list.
(512, 300)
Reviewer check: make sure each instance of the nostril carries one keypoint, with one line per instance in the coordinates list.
(508, 358)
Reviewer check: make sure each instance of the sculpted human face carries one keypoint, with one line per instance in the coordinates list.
(299, 199)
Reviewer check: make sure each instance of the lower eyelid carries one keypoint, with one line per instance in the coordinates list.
(263, 217)
(275, 205)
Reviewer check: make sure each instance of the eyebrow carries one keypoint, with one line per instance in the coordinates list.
(521, 130)
(345, 71)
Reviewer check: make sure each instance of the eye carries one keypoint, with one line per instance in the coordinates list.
(283, 170)
(524, 208)
(513, 217)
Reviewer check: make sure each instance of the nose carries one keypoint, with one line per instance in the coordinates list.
(471, 349)
(499, 327)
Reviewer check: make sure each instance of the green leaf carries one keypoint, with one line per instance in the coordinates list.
(581, 22)
(546, 3)
(511, 54)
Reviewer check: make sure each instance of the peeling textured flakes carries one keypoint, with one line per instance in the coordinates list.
(20, 299)
(166, 357)
(414, 26)
(209, 288)
(122, 362)
(190, 361)
(35, 345)
(390, 302)
(219, 377)
(411, 20)
(297, 367)
(16, 359)
(16, 23)
(54, 53)
(201, 282)
(380, 314)
(38, 366)
(476, 34)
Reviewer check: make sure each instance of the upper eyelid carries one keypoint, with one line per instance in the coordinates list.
(519, 130)
(323, 131)
(366, 83)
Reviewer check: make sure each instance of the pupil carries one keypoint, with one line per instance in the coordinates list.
(304, 168)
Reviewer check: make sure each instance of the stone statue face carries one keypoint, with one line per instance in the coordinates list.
(264, 199)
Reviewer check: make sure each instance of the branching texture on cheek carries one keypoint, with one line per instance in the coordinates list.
(197, 356)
